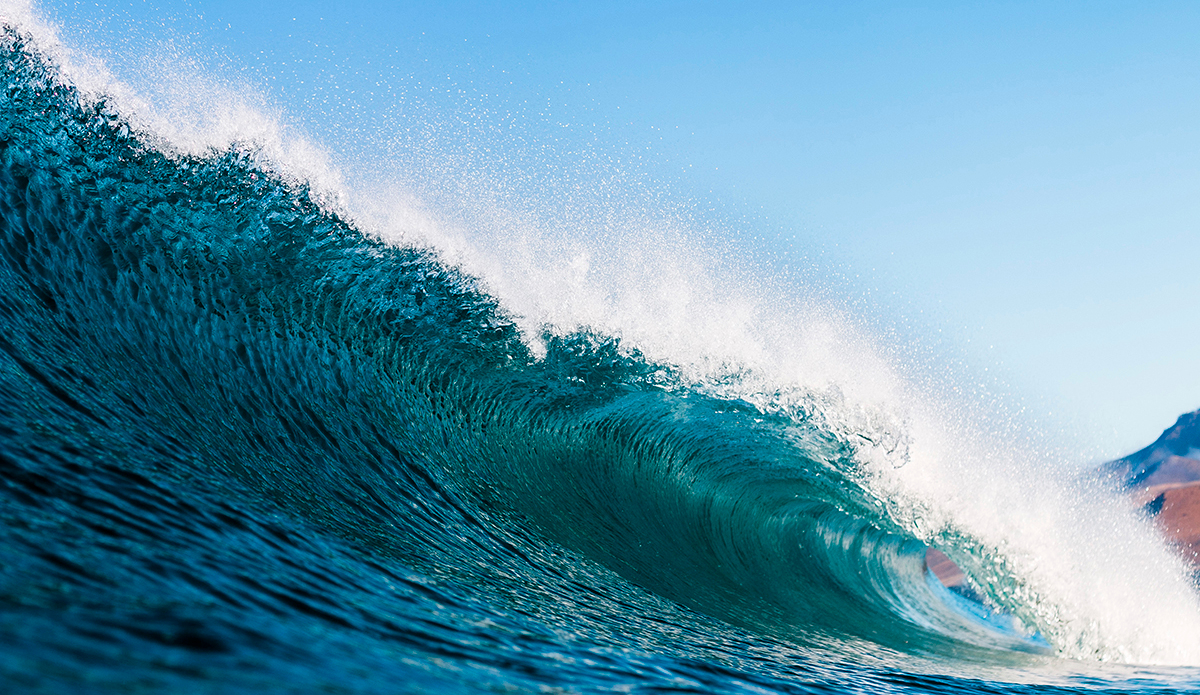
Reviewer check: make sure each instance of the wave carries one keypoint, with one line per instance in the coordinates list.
(238, 426)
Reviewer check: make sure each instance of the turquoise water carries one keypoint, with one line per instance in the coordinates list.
(247, 446)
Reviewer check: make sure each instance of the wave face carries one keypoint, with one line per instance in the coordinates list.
(245, 446)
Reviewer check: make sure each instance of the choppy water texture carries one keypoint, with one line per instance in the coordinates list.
(245, 447)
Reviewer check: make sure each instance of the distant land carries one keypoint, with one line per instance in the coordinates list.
(1164, 478)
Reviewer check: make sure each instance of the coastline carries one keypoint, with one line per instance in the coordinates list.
(1163, 479)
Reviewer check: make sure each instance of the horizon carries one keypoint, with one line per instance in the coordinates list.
(1019, 179)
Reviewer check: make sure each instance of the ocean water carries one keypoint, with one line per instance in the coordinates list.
(250, 441)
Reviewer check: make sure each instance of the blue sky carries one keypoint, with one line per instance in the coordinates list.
(1022, 176)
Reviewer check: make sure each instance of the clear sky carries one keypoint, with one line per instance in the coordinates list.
(1024, 176)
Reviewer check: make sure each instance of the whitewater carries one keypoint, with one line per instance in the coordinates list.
(262, 427)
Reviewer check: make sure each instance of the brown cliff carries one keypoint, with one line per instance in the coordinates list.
(1164, 478)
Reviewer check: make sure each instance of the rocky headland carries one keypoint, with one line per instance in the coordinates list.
(1164, 478)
